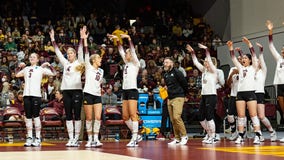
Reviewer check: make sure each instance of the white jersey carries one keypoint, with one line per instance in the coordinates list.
(209, 79)
(33, 76)
(130, 73)
(260, 76)
(279, 71)
(235, 82)
(220, 79)
(246, 79)
(71, 77)
(131, 69)
(93, 79)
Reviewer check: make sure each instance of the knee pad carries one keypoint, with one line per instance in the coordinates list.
(255, 121)
(241, 121)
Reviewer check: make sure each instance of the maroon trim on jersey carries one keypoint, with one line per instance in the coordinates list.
(232, 53)
(270, 38)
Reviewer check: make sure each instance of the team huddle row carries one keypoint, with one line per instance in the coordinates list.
(247, 81)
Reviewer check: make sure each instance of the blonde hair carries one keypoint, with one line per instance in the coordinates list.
(70, 49)
(93, 57)
(80, 68)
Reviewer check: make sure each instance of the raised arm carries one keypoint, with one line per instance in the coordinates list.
(233, 57)
(251, 49)
(208, 57)
(80, 48)
(261, 58)
(119, 46)
(58, 53)
(272, 48)
(132, 49)
(194, 58)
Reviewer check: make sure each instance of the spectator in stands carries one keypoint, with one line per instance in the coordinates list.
(117, 32)
(180, 68)
(10, 45)
(216, 42)
(109, 98)
(57, 104)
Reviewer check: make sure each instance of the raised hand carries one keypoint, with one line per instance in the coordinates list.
(245, 40)
(189, 48)
(260, 47)
(238, 49)
(230, 44)
(83, 33)
(51, 34)
(269, 25)
(111, 36)
(202, 46)
(124, 36)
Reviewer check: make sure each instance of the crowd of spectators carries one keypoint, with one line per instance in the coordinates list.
(166, 36)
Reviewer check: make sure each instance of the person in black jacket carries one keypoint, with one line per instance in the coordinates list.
(177, 88)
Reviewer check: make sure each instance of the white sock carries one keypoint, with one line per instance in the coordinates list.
(267, 124)
(29, 126)
(89, 129)
(129, 124)
(37, 126)
(135, 129)
(70, 129)
(96, 127)
(78, 125)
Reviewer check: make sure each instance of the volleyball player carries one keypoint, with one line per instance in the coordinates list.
(279, 70)
(260, 78)
(32, 96)
(129, 86)
(92, 94)
(71, 86)
(208, 93)
(246, 91)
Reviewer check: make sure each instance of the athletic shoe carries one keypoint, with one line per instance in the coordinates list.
(217, 137)
(36, 143)
(256, 140)
(239, 140)
(282, 140)
(75, 143)
(176, 142)
(97, 144)
(273, 136)
(160, 137)
(206, 137)
(29, 142)
(184, 140)
(210, 140)
(139, 138)
(261, 138)
(89, 144)
(234, 136)
(69, 143)
(132, 143)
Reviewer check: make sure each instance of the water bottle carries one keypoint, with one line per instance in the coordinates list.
(116, 138)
